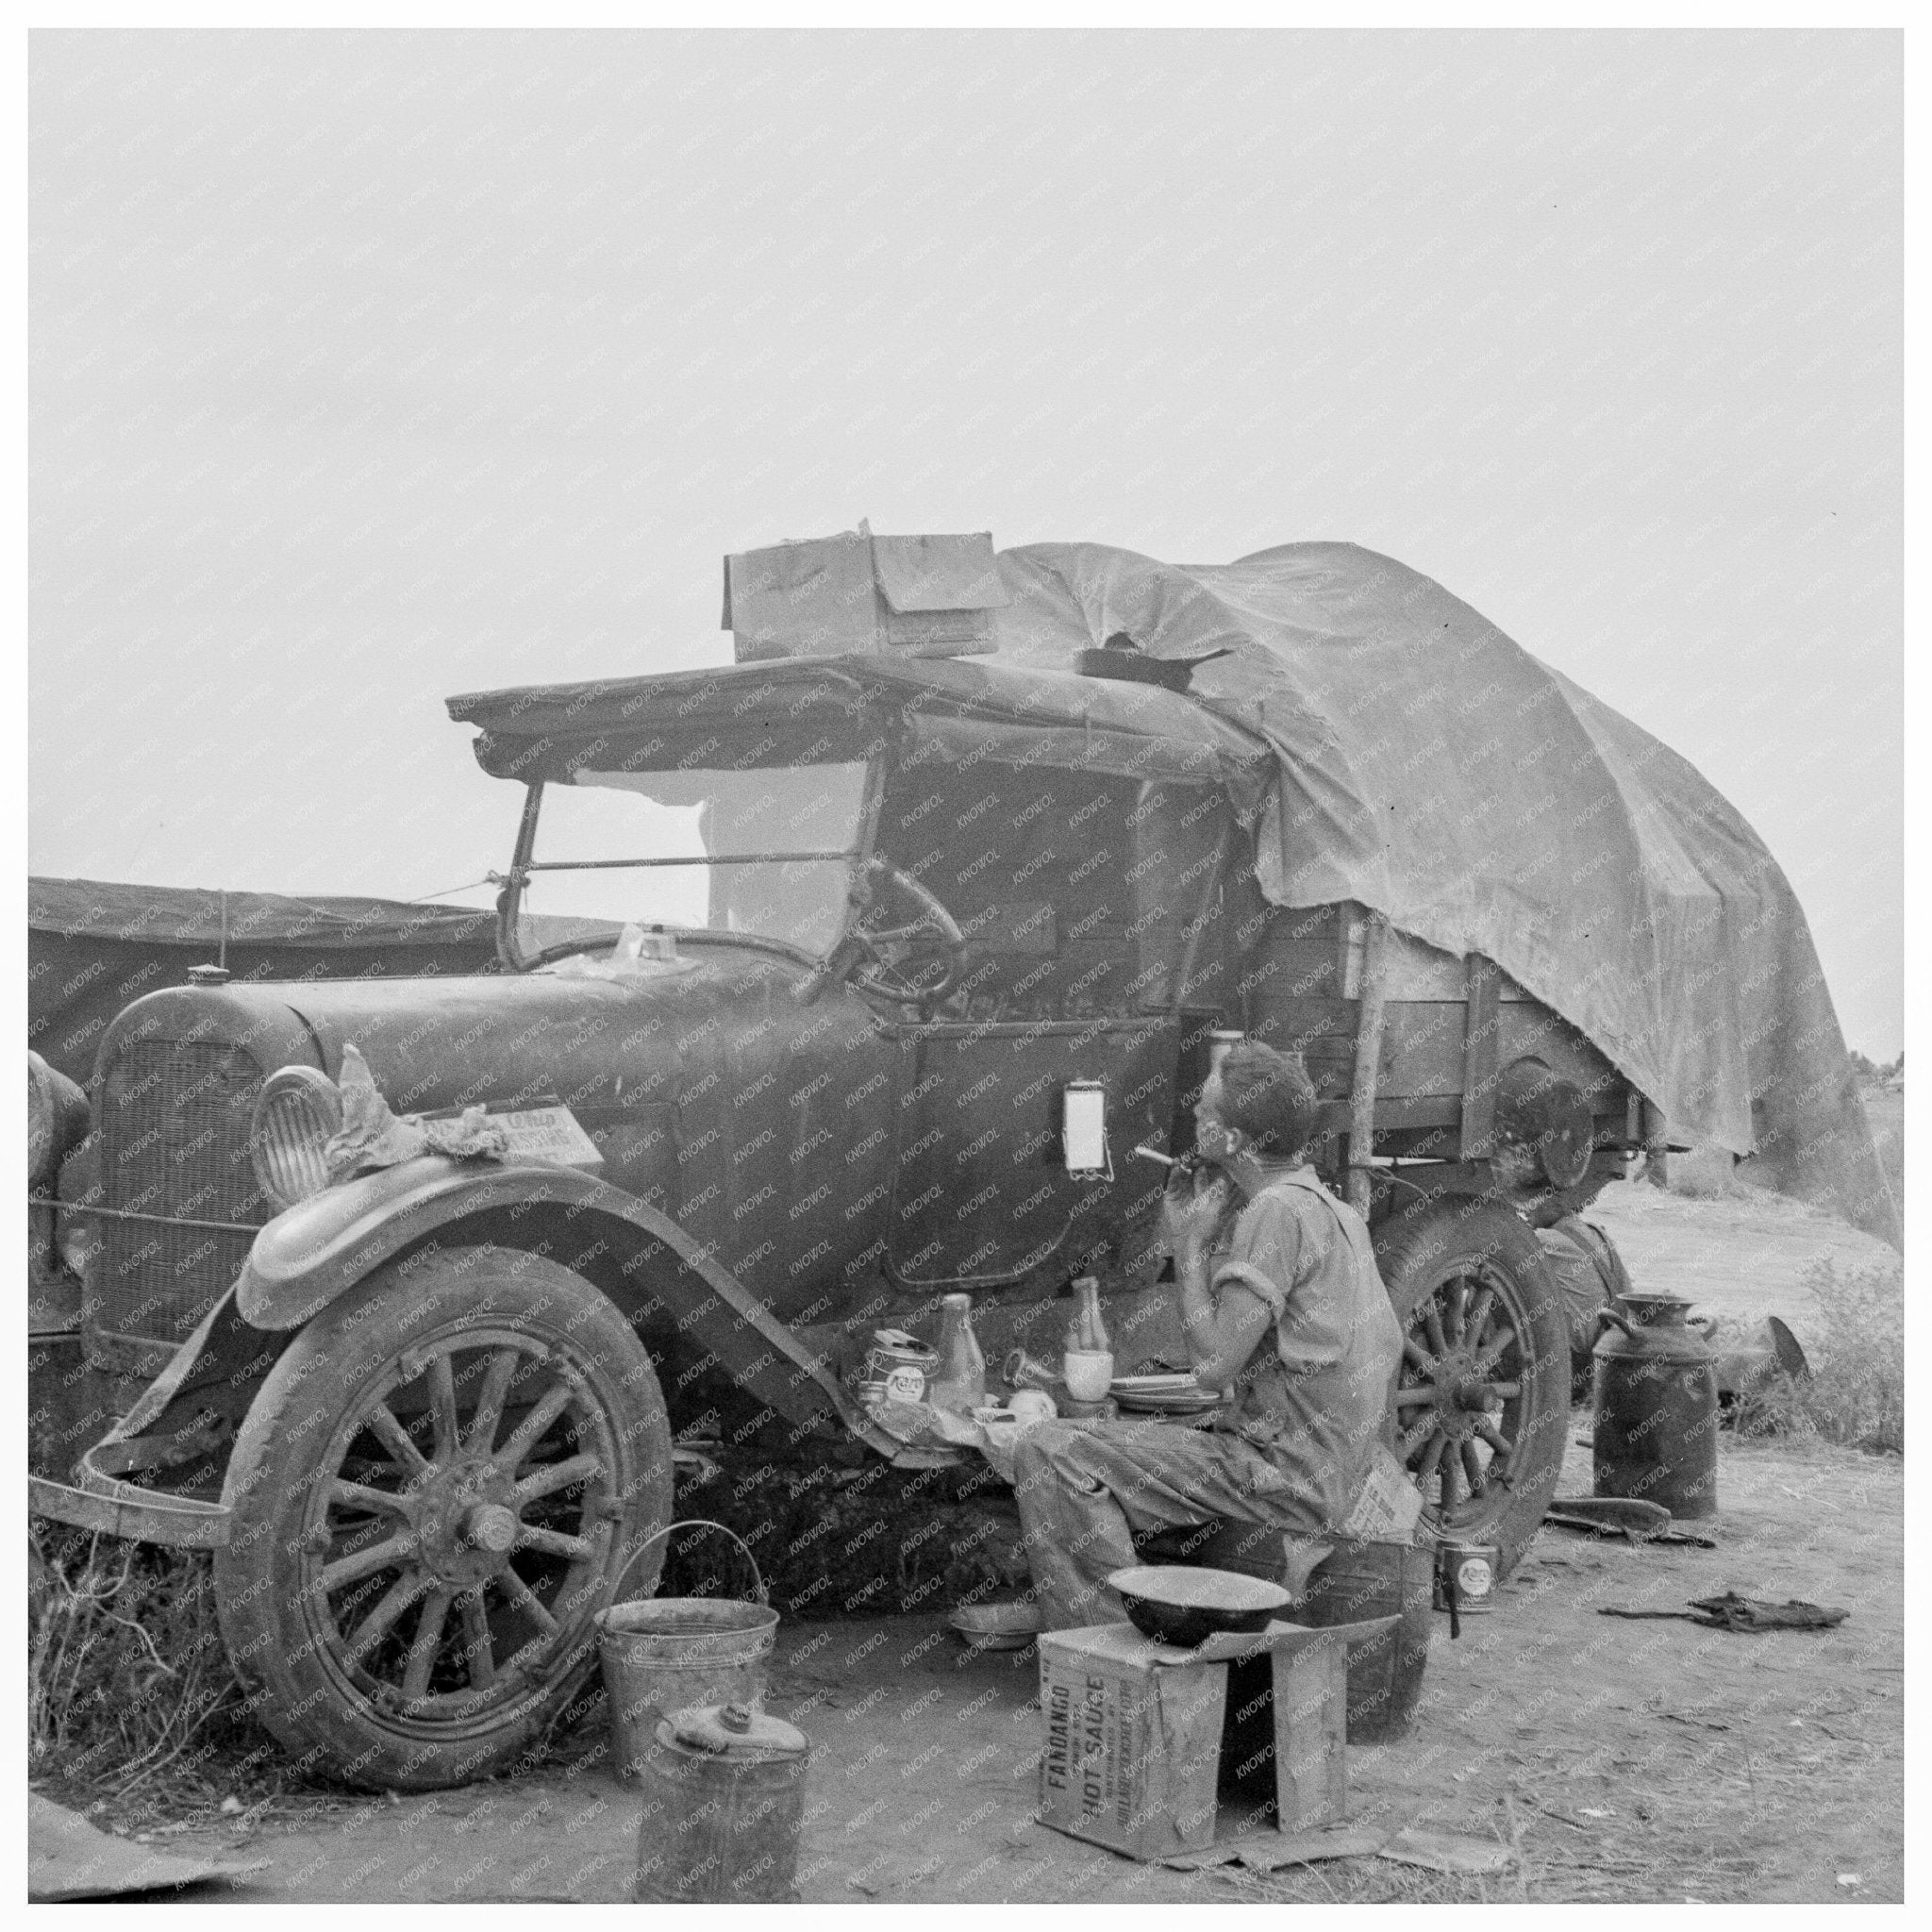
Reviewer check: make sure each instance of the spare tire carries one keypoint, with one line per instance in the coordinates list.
(1589, 1273)
(1482, 1400)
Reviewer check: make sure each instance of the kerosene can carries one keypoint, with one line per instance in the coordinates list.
(723, 1800)
(1471, 1571)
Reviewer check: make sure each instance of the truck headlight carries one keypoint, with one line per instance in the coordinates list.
(298, 1113)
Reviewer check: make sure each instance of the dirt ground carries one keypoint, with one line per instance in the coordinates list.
(1622, 1760)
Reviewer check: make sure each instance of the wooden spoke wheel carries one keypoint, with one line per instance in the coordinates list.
(1483, 1398)
(435, 1492)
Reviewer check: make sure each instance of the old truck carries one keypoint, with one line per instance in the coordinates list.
(832, 984)
(424, 1416)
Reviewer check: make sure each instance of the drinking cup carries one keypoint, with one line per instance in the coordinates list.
(1088, 1374)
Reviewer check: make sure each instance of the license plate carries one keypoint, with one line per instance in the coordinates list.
(548, 1133)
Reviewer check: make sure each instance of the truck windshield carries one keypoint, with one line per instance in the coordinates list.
(763, 851)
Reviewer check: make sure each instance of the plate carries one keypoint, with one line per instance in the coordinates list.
(1193, 1401)
(1157, 1385)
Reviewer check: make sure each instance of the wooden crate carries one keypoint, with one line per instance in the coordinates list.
(899, 596)
(1134, 1731)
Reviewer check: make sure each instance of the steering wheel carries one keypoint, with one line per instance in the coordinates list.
(887, 951)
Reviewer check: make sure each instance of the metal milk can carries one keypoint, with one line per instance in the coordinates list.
(724, 1792)
(1656, 1407)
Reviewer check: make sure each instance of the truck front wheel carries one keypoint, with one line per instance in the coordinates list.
(436, 1489)
(1482, 1401)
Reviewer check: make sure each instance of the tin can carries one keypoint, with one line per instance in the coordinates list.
(1470, 1570)
(896, 1367)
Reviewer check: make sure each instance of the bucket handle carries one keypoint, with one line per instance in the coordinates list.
(697, 1522)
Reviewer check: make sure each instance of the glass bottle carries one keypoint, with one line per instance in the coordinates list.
(1086, 1331)
(959, 1381)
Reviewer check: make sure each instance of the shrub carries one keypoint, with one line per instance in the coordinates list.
(1855, 1394)
(126, 1674)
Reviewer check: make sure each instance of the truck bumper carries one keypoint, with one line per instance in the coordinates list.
(99, 1499)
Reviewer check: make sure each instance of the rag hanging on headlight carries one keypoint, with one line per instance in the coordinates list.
(309, 1132)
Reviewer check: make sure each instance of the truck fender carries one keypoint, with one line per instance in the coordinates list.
(185, 1416)
(316, 1251)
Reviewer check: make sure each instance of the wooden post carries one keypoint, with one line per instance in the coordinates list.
(1368, 1051)
(1482, 988)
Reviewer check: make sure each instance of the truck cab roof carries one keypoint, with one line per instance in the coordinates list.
(816, 709)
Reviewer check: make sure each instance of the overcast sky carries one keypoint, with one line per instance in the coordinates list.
(370, 368)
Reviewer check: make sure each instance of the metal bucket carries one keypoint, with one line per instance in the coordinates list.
(666, 1654)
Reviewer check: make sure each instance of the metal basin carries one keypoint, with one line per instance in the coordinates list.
(1179, 1604)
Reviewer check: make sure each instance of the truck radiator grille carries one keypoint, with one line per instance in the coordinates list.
(173, 1123)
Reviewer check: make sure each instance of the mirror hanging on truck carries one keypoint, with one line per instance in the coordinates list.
(1083, 1129)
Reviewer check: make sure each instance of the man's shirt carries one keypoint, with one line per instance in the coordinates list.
(1317, 1401)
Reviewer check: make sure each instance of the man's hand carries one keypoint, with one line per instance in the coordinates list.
(1192, 1207)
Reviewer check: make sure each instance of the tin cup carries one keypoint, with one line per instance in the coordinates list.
(1088, 1374)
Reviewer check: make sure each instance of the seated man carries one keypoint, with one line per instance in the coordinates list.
(1283, 1306)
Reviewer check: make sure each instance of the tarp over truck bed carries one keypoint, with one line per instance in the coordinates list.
(1405, 755)
(1429, 767)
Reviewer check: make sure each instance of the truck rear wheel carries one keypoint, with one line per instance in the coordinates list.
(436, 1489)
(1482, 1402)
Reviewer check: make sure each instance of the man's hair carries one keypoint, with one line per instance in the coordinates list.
(1269, 1097)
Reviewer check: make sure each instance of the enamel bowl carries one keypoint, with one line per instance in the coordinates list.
(1174, 1602)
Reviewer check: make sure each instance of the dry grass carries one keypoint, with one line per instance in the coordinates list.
(127, 1676)
(1855, 1394)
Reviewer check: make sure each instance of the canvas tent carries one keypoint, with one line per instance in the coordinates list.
(1429, 767)
(93, 945)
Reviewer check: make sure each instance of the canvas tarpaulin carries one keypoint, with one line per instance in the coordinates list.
(1429, 767)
